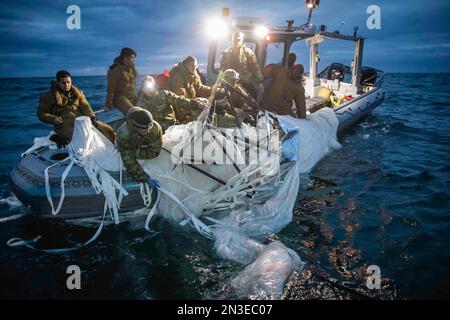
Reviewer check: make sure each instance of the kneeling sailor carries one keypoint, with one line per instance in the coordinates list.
(139, 138)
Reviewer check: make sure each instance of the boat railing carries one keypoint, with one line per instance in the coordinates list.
(380, 78)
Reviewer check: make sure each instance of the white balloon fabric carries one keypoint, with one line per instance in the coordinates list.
(243, 203)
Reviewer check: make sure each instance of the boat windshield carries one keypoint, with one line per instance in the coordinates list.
(275, 52)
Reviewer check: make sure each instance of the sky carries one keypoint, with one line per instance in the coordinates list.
(35, 41)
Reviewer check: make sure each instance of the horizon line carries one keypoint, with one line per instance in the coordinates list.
(153, 74)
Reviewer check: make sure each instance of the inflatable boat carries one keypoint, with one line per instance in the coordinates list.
(356, 91)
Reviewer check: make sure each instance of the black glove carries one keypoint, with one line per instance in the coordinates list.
(94, 122)
(61, 141)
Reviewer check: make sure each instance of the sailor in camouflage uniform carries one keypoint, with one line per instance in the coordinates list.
(139, 138)
(166, 107)
(243, 60)
(231, 108)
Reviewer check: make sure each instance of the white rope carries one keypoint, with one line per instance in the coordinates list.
(152, 213)
(13, 217)
(17, 242)
(63, 178)
(199, 225)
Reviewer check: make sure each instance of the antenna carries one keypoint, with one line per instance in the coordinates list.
(311, 5)
(339, 30)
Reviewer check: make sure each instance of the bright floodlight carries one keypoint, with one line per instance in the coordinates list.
(310, 6)
(216, 28)
(261, 31)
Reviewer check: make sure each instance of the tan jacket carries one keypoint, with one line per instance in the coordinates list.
(121, 83)
(186, 85)
(282, 91)
(68, 106)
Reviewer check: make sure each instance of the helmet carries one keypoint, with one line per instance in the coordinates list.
(148, 84)
(230, 76)
(140, 119)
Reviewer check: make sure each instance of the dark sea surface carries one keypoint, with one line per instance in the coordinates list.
(382, 199)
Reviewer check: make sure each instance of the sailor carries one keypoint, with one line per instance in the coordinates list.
(139, 138)
(292, 58)
(243, 60)
(295, 70)
(283, 92)
(233, 104)
(62, 104)
(122, 82)
(185, 81)
(166, 107)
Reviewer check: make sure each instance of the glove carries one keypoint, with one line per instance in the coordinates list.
(152, 183)
(61, 142)
(58, 121)
(94, 122)
(202, 100)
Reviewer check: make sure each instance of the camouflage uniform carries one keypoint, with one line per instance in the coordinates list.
(229, 105)
(133, 146)
(169, 109)
(68, 106)
(121, 86)
(243, 60)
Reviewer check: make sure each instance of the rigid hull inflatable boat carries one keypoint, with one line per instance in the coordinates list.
(357, 91)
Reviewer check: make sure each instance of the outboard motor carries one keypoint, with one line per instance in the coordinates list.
(336, 71)
(368, 76)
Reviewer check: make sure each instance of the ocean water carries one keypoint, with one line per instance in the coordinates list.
(382, 199)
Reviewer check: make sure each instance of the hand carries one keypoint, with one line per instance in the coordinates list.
(58, 121)
(202, 100)
(200, 105)
(261, 86)
(106, 108)
(94, 122)
(61, 142)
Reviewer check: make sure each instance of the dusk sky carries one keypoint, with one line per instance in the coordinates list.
(414, 34)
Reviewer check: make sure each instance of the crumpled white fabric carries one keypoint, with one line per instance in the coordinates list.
(39, 142)
(242, 224)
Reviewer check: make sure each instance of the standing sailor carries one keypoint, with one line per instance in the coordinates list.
(283, 92)
(122, 82)
(140, 138)
(62, 104)
(166, 107)
(243, 60)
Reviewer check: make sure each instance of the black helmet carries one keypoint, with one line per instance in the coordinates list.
(140, 119)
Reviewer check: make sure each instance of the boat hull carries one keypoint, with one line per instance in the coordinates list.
(356, 110)
(81, 201)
